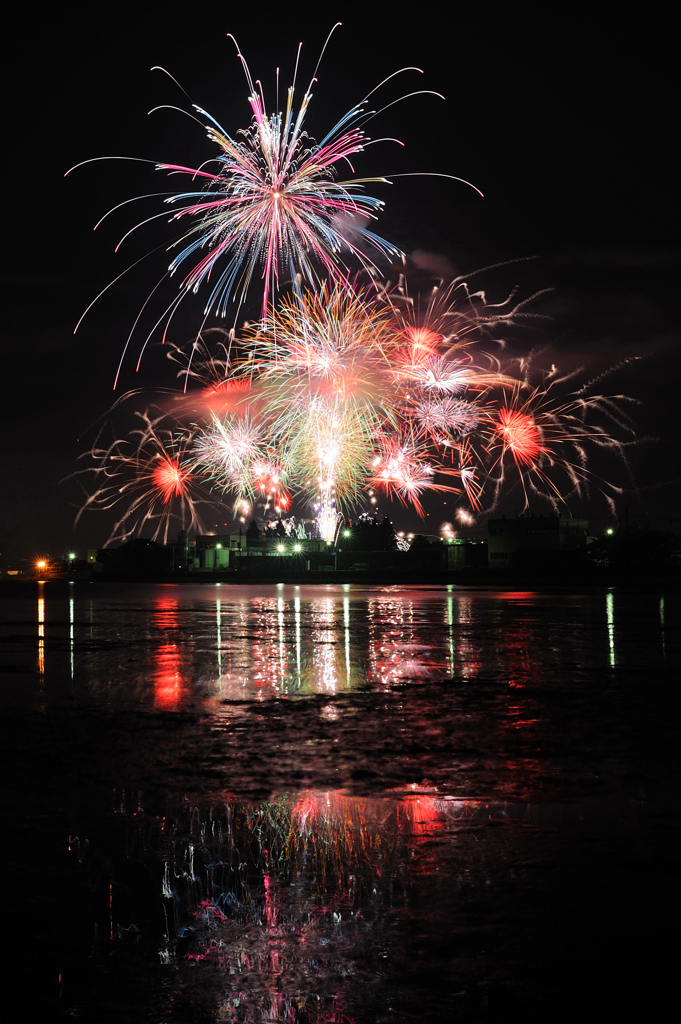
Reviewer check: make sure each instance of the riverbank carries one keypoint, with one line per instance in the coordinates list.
(495, 579)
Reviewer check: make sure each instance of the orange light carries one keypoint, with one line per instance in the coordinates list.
(41, 564)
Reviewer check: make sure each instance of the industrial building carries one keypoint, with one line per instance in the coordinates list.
(533, 540)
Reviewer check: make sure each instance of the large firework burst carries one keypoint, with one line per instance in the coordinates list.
(336, 395)
(340, 390)
(276, 205)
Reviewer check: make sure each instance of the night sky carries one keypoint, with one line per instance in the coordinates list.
(565, 124)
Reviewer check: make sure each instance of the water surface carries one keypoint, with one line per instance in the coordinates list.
(340, 804)
(166, 647)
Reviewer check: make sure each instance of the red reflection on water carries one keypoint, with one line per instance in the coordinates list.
(169, 657)
(525, 777)
(308, 806)
(416, 814)
(518, 658)
(519, 713)
(420, 814)
(270, 907)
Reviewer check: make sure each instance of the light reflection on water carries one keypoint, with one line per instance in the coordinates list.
(41, 635)
(164, 646)
(317, 906)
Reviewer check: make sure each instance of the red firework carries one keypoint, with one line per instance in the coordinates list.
(171, 479)
(520, 435)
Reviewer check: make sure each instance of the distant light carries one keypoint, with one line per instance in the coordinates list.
(218, 545)
(296, 547)
(346, 533)
(610, 530)
(41, 564)
(72, 556)
(280, 547)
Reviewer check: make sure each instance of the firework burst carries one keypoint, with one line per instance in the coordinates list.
(146, 476)
(340, 389)
(319, 403)
(548, 437)
(275, 207)
(401, 470)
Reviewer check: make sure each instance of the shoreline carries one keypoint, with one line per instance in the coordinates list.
(497, 580)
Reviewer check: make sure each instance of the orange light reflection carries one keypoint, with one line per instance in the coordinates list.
(41, 637)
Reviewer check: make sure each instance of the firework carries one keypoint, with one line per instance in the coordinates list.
(229, 449)
(146, 476)
(326, 402)
(341, 390)
(324, 390)
(401, 470)
(548, 437)
(521, 436)
(276, 206)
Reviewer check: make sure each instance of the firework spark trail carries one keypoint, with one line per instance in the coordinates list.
(341, 388)
(275, 205)
(400, 470)
(331, 396)
(146, 476)
(548, 439)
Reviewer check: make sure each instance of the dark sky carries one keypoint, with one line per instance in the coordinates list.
(565, 124)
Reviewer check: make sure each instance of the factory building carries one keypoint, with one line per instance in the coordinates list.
(534, 540)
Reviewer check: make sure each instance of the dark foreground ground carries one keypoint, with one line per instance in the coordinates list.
(556, 921)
